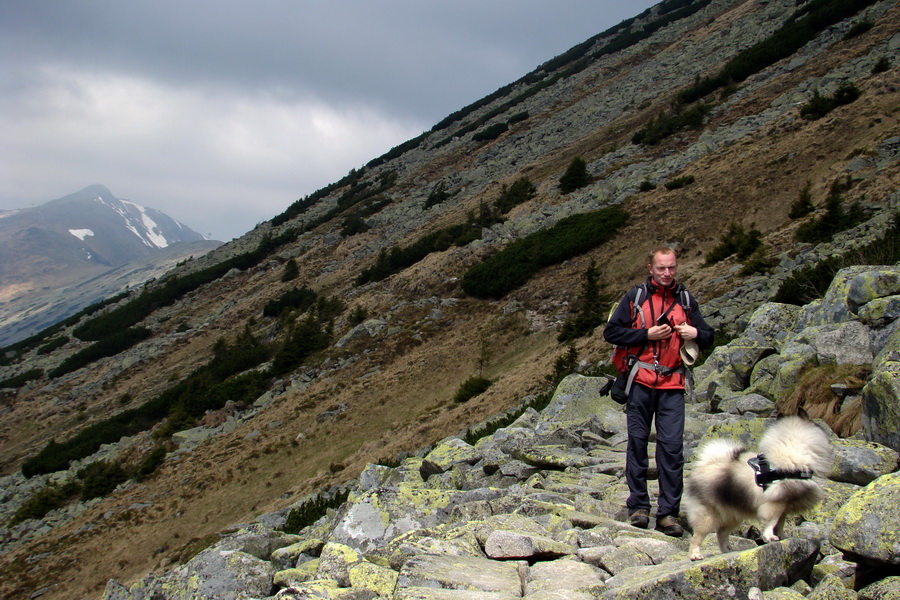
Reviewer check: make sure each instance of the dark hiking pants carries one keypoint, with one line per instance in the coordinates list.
(668, 407)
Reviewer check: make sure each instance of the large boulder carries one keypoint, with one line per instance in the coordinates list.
(867, 527)
(852, 287)
(381, 514)
(730, 575)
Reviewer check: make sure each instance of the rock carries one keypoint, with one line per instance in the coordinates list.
(861, 462)
(720, 576)
(866, 527)
(562, 579)
(503, 545)
(461, 573)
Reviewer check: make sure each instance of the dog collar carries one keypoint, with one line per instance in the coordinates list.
(766, 475)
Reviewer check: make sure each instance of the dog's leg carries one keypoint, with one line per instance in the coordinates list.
(723, 536)
(696, 541)
(771, 514)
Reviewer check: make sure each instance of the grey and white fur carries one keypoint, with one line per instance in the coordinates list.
(721, 491)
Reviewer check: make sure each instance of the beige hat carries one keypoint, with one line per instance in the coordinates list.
(689, 352)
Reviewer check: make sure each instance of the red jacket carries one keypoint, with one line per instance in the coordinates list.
(628, 328)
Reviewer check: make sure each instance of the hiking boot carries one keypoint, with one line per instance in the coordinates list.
(669, 526)
(640, 518)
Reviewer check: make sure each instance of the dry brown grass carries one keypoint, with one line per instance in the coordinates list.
(813, 394)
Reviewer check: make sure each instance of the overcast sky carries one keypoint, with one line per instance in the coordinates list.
(221, 113)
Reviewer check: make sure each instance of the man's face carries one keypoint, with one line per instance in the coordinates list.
(662, 269)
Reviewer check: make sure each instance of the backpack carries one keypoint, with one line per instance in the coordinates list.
(625, 362)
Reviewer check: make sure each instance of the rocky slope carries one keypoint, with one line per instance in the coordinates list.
(390, 387)
(534, 510)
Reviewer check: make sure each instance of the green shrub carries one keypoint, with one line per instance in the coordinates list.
(757, 262)
(518, 117)
(54, 344)
(811, 282)
(589, 308)
(835, 220)
(680, 182)
(735, 241)
(667, 124)
(44, 500)
(357, 315)
(521, 191)
(575, 177)
(21, 379)
(396, 259)
(882, 65)
(312, 510)
(515, 264)
(353, 224)
(100, 478)
(803, 205)
(291, 271)
(438, 195)
(471, 387)
(647, 186)
(491, 132)
(819, 105)
(114, 343)
(299, 299)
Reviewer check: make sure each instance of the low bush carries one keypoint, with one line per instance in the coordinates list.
(819, 105)
(667, 124)
(882, 65)
(294, 299)
(521, 191)
(112, 344)
(575, 177)
(312, 510)
(835, 220)
(803, 205)
(438, 195)
(48, 498)
(471, 387)
(491, 132)
(100, 478)
(811, 282)
(517, 262)
(736, 241)
(396, 259)
(680, 182)
(646, 186)
(21, 379)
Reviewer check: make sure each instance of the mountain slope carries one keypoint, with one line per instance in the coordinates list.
(390, 389)
(68, 242)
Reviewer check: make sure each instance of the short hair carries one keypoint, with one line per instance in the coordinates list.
(660, 250)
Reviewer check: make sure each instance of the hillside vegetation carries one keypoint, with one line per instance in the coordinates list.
(350, 328)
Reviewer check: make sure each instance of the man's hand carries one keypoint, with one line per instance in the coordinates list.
(660, 332)
(686, 331)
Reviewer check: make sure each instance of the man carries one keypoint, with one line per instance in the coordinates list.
(653, 333)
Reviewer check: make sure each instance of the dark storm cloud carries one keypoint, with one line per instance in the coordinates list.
(180, 105)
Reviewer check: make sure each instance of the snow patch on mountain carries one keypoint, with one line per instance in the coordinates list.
(81, 233)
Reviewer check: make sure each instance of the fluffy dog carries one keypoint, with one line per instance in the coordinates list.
(722, 490)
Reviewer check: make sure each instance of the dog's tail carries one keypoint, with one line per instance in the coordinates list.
(797, 443)
(720, 450)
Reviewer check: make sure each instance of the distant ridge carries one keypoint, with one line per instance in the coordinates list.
(68, 253)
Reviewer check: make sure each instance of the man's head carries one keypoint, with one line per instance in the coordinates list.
(662, 265)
